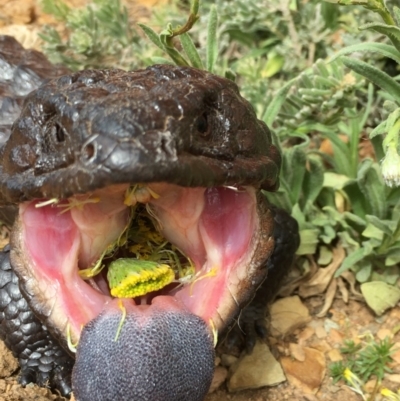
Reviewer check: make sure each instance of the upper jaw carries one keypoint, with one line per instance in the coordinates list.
(204, 223)
(93, 129)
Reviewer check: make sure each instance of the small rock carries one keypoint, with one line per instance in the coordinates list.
(335, 355)
(287, 314)
(320, 332)
(8, 364)
(220, 376)
(383, 333)
(307, 375)
(370, 385)
(228, 360)
(305, 334)
(396, 353)
(256, 370)
(320, 345)
(393, 378)
(336, 336)
(329, 325)
(297, 352)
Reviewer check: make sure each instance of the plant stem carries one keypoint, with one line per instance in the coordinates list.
(377, 6)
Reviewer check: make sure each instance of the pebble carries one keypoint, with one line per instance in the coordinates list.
(256, 370)
(287, 314)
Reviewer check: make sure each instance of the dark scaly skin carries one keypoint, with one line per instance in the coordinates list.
(45, 166)
(41, 358)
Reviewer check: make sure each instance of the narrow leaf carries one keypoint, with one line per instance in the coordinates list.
(391, 31)
(341, 153)
(371, 185)
(382, 48)
(350, 261)
(313, 180)
(387, 226)
(280, 198)
(152, 35)
(296, 161)
(274, 107)
(376, 76)
(378, 130)
(212, 45)
(191, 51)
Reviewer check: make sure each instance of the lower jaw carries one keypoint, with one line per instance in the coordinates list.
(45, 257)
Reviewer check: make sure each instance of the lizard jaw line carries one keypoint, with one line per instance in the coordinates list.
(212, 241)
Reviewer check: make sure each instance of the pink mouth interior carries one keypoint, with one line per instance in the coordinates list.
(214, 227)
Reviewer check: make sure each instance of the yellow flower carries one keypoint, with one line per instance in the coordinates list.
(390, 394)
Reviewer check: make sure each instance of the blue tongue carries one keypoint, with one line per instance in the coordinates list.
(153, 353)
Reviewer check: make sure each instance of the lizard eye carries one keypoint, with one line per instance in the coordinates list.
(202, 125)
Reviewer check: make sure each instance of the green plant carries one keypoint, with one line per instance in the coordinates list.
(390, 126)
(96, 36)
(362, 362)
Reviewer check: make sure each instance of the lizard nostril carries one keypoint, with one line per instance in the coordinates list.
(88, 151)
(202, 125)
(59, 133)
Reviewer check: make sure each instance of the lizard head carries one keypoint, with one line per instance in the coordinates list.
(164, 164)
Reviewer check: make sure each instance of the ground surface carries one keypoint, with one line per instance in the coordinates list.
(309, 341)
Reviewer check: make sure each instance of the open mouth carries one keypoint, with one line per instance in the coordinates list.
(201, 249)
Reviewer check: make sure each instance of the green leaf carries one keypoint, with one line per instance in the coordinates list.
(370, 182)
(57, 8)
(273, 65)
(350, 260)
(152, 35)
(212, 45)
(380, 296)
(165, 36)
(387, 226)
(325, 256)
(381, 48)
(353, 218)
(376, 76)
(372, 231)
(308, 242)
(341, 153)
(391, 31)
(396, 11)
(364, 272)
(280, 198)
(295, 160)
(393, 257)
(335, 181)
(191, 51)
(277, 101)
(378, 130)
(299, 216)
(313, 180)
